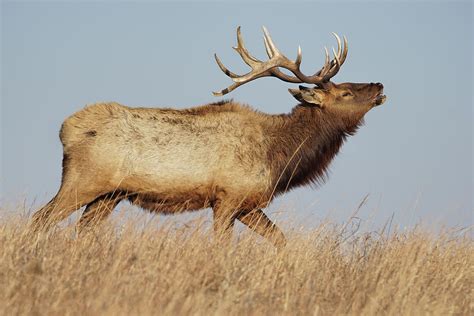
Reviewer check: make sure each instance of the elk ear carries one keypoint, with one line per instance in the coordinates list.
(308, 95)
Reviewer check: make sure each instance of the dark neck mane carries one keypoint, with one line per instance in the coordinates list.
(304, 143)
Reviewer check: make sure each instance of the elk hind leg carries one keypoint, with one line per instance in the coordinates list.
(61, 206)
(77, 189)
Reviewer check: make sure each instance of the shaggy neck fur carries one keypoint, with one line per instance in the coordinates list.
(304, 142)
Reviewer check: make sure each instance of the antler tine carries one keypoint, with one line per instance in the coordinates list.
(299, 56)
(238, 84)
(267, 48)
(243, 52)
(344, 52)
(338, 44)
(244, 49)
(226, 90)
(336, 58)
(224, 68)
(269, 42)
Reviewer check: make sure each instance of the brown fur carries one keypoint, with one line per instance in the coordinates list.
(223, 155)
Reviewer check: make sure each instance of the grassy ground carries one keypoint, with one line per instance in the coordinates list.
(142, 271)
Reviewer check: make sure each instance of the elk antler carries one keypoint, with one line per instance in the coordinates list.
(277, 60)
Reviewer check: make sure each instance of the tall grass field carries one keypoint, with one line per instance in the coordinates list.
(132, 269)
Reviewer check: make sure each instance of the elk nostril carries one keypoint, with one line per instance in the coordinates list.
(379, 85)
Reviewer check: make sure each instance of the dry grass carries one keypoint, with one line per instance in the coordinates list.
(165, 270)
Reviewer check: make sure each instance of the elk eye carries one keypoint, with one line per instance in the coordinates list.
(347, 94)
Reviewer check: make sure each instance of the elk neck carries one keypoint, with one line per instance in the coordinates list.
(304, 142)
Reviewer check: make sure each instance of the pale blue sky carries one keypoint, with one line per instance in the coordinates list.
(414, 156)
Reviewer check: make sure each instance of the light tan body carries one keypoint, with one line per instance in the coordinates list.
(174, 155)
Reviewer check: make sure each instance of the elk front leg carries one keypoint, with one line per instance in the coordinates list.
(78, 188)
(99, 210)
(262, 225)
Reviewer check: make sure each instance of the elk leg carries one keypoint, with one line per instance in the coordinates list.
(262, 225)
(99, 209)
(224, 217)
(60, 207)
(76, 190)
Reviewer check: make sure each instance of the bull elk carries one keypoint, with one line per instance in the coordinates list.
(222, 155)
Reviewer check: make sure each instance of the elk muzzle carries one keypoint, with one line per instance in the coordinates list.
(380, 97)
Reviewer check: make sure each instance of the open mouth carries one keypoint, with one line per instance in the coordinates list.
(380, 99)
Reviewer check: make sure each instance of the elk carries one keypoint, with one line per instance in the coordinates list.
(223, 155)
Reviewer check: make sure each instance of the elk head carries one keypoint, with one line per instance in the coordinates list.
(350, 98)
